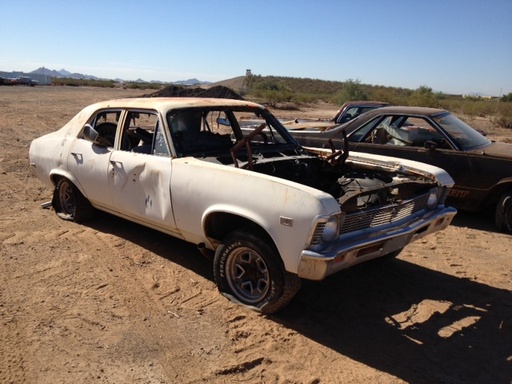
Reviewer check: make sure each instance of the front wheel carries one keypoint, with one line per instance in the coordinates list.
(249, 271)
(69, 203)
(504, 213)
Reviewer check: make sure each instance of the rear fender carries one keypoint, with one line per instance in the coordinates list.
(497, 191)
(58, 174)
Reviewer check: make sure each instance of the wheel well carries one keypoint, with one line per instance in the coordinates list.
(496, 193)
(219, 225)
(56, 177)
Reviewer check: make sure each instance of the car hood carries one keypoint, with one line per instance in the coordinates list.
(502, 150)
(440, 176)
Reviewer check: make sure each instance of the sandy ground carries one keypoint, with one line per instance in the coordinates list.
(113, 302)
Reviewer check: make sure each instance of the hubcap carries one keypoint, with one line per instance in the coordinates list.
(248, 275)
(67, 199)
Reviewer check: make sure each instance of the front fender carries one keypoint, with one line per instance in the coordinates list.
(235, 212)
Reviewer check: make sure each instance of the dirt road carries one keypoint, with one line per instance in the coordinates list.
(113, 302)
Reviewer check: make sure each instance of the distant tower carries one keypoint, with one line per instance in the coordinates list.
(248, 72)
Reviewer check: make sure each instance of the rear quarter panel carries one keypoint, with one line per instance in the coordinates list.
(48, 154)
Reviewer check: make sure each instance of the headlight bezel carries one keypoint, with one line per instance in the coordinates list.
(433, 199)
(331, 230)
(319, 237)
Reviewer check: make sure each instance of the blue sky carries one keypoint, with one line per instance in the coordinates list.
(452, 46)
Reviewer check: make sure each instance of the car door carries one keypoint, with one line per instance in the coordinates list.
(408, 140)
(140, 173)
(88, 163)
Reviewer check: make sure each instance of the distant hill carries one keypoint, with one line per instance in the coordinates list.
(62, 73)
(66, 74)
(190, 82)
(236, 83)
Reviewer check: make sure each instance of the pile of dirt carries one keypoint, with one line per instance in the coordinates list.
(218, 91)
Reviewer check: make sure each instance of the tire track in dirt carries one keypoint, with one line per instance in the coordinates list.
(133, 280)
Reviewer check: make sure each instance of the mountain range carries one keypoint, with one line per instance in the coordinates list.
(63, 73)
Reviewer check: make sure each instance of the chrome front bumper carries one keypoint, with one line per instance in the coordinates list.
(371, 243)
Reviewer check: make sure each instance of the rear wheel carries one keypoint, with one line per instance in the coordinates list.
(503, 215)
(69, 203)
(250, 272)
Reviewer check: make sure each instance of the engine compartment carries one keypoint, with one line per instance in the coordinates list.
(355, 187)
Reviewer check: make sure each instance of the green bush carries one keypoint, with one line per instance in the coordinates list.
(352, 90)
(507, 98)
(272, 92)
(424, 97)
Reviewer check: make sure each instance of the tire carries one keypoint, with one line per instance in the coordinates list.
(69, 203)
(249, 272)
(503, 216)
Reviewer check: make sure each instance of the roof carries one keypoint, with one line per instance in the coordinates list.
(407, 109)
(367, 116)
(358, 103)
(165, 103)
(420, 111)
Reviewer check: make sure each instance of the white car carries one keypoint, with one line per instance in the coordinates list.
(269, 211)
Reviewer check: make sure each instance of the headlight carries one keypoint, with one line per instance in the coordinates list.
(432, 200)
(331, 229)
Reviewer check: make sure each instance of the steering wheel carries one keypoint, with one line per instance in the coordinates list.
(247, 142)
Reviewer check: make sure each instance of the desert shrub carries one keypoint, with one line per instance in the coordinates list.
(351, 90)
(501, 120)
(503, 117)
(83, 82)
(394, 96)
(507, 98)
(308, 98)
(272, 92)
(472, 106)
(424, 97)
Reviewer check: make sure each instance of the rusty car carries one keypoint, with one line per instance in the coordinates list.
(266, 211)
(348, 111)
(481, 168)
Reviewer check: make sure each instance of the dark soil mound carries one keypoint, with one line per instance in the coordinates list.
(218, 91)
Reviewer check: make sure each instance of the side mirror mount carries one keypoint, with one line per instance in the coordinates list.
(431, 145)
(90, 134)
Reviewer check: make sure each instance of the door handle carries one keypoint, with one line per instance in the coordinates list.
(79, 158)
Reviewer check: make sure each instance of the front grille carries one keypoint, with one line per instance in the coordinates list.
(385, 215)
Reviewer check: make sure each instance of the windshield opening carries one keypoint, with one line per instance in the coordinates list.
(202, 130)
(462, 134)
